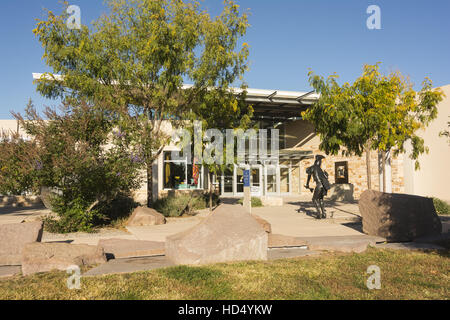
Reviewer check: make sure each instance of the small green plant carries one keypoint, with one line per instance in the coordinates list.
(176, 206)
(73, 217)
(442, 207)
(256, 202)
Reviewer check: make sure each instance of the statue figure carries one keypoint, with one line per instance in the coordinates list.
(322, 186)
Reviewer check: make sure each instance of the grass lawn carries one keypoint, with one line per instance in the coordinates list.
(404, 275)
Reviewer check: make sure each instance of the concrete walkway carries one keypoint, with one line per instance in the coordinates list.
(285, 220)
(17, 215)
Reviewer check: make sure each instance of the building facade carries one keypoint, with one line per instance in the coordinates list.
(298, 145)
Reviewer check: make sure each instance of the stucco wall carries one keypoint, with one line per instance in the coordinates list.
(434, 176)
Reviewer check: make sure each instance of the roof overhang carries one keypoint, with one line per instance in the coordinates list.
(267, 104)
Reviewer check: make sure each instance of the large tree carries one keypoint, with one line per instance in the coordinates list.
(219, 111)
(136, 58)
(376, 112)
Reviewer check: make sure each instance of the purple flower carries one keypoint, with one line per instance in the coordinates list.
(38, 165)
(135, 158)
(119, 134)
(118, 174)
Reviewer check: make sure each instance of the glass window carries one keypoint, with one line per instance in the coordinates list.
(179, 175)
(284, 180)
(341, 172)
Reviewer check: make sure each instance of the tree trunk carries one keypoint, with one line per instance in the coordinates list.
(369, 176)
(150, 185)
(210, 191)
(383, 167)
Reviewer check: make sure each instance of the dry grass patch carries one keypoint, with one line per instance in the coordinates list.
(404, 275)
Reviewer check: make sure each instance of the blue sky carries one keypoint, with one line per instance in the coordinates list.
(286, 38)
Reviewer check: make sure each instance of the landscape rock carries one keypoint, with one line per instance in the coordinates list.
(264, 223)
(9, 271)
(398, 217)
(143, 216)
(122, 248)
(347, 244)
(13, 238)
(281, 241)
(229, 234)
(45, 257)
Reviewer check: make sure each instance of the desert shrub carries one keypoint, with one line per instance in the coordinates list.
(176, 206)
(84, 156)
(17, 165)
(256, 202)
(442, 207)
(72, 217)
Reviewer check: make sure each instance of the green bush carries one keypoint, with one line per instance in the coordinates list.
(256, 202)
(68, 154)
(176, 206)
(72, 217)
(442, 207)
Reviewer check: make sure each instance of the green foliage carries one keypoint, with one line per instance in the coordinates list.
(85, 158)
(376, 112)
(17, 164)
(442, 207)
(72, 217)
(136, 58)
(176, 206)
(256, 202)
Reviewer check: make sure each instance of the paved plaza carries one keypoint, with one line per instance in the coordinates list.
(296, 218)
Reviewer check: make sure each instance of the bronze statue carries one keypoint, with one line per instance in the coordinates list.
(322, 185)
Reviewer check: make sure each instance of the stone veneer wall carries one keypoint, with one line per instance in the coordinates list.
(357, 171)
(300, 135)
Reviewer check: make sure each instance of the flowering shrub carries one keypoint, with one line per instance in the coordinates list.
(17, 164)
(78, 152)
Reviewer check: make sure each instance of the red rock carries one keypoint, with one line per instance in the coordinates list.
(13, 238)
(398, 217)
(143, 216)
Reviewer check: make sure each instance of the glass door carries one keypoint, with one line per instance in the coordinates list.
(226, 182)
(256, 181)
(271, 175)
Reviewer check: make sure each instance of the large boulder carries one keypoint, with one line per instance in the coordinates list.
(13, 238)
(229, 234)
(44, 257)
(124, 248)
(398, 217)
(143, 216)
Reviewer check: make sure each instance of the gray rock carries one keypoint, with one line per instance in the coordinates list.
(143, 216)
(9, 271)
(122, 248)
(13, 238)
(398, 217)
(229, 234)
(347, 244)
(356, 246)
(44, 257)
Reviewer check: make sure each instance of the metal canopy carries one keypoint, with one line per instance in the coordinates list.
(295, 155)
(285, 112)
